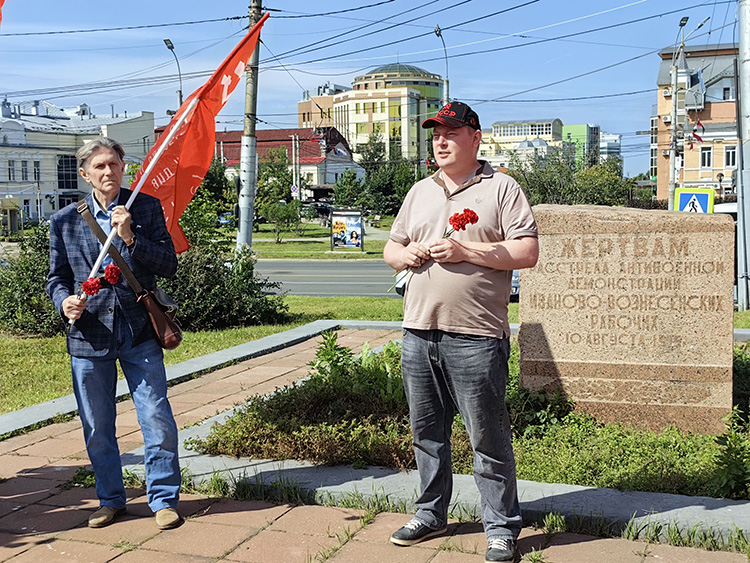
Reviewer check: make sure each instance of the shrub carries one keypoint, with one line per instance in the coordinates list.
(732, 478)
(350, 410)
(217, 292)
(25, 308)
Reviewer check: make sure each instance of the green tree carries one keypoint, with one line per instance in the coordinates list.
(215, 181)
(284, 216)
(199, 220)
(372, 153)
(274, 179)
(602, 184)
(349, 190)
(547, 178)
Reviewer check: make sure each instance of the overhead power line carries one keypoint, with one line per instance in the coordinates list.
(125, 28)
(331, 13)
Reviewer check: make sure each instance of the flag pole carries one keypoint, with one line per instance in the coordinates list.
(142, 180)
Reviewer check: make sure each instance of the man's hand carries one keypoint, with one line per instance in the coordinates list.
(121, 220)
(398, 256)
(415, 255)
(447, 250)
(73, 307)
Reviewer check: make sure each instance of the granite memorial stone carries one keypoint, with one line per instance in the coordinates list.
(630, 313)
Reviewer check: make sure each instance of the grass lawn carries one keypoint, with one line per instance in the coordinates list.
(314, 242)
(34, 370)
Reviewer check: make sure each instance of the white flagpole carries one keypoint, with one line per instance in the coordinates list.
(142, 180)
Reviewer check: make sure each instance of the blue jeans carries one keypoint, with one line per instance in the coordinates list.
(444, 372)
(94, 384)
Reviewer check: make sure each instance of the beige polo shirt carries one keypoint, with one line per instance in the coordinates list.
(462, 297)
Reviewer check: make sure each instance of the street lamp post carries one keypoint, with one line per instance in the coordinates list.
(170, 46)
(720, 177)
(676, 56)
(446, 90)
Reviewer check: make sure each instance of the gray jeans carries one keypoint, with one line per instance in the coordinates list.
(444, 372)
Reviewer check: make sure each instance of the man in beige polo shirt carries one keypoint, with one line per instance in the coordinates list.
(456, 334)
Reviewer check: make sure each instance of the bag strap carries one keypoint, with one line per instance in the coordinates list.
(83, 209)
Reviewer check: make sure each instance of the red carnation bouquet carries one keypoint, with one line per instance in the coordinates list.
(456, 222)
(92, 285)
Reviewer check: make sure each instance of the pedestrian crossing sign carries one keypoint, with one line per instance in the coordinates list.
(694, 200)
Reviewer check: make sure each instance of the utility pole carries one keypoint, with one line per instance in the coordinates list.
(248, 150)
(673, 123)
(743, 136)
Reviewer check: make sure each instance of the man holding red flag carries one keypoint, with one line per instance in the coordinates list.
(183, 153)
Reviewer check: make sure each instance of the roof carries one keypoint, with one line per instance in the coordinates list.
(43, 116)
(314, 143)
(399, 68)
(525, 121)
(703, 58)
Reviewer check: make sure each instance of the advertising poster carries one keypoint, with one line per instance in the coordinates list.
(346, 230)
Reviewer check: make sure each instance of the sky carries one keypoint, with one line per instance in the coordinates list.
(582, 61)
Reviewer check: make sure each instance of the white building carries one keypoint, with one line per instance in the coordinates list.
(610, 144)
(38, 141)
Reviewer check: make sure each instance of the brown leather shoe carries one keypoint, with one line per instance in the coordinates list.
(168, 518)
(105, 516)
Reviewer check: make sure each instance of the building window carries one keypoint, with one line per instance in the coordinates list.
(727, 94)
(37, 171)
(730, 156)
(356, 108)
(11, 170)
(706, 157)
(382, 107)
(378, 127)
(66, 172)
(361, 128)
(24, 170)
(654, 162)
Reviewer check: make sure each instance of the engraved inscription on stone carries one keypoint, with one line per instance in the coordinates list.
(621, 289)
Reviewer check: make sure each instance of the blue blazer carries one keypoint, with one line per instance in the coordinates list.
(74, 249)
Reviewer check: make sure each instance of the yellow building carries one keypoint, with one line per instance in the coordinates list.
(524, 138)
(390, 101)
(705, 118)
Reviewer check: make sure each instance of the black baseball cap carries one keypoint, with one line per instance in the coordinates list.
(454, 114)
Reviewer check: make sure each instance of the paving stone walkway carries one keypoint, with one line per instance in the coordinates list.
(42, 522)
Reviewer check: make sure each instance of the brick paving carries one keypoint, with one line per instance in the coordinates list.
(42, 522)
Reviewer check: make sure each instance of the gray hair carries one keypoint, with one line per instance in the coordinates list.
(95, 145)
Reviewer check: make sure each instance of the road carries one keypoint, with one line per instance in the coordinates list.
(327, 278)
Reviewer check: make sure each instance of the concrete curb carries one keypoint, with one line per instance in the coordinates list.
(596, 506)
(43, 412)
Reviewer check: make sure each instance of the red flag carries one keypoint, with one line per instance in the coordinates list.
(1, 10)
(181, 168)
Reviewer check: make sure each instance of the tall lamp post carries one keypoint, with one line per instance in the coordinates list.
(676, 56)
(170, 46)
(446, 90)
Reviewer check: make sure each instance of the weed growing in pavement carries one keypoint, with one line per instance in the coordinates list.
(554, 523)
(216, 486)
(125, 545)
(82, 478)
(133, 480)
(534, 556)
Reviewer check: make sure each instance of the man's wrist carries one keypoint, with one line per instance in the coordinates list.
(130, 242)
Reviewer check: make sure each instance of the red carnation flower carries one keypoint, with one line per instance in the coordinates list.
(112, 274)
(458, 221)
(91, 286)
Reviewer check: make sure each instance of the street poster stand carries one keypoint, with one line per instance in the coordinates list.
(346, 230)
